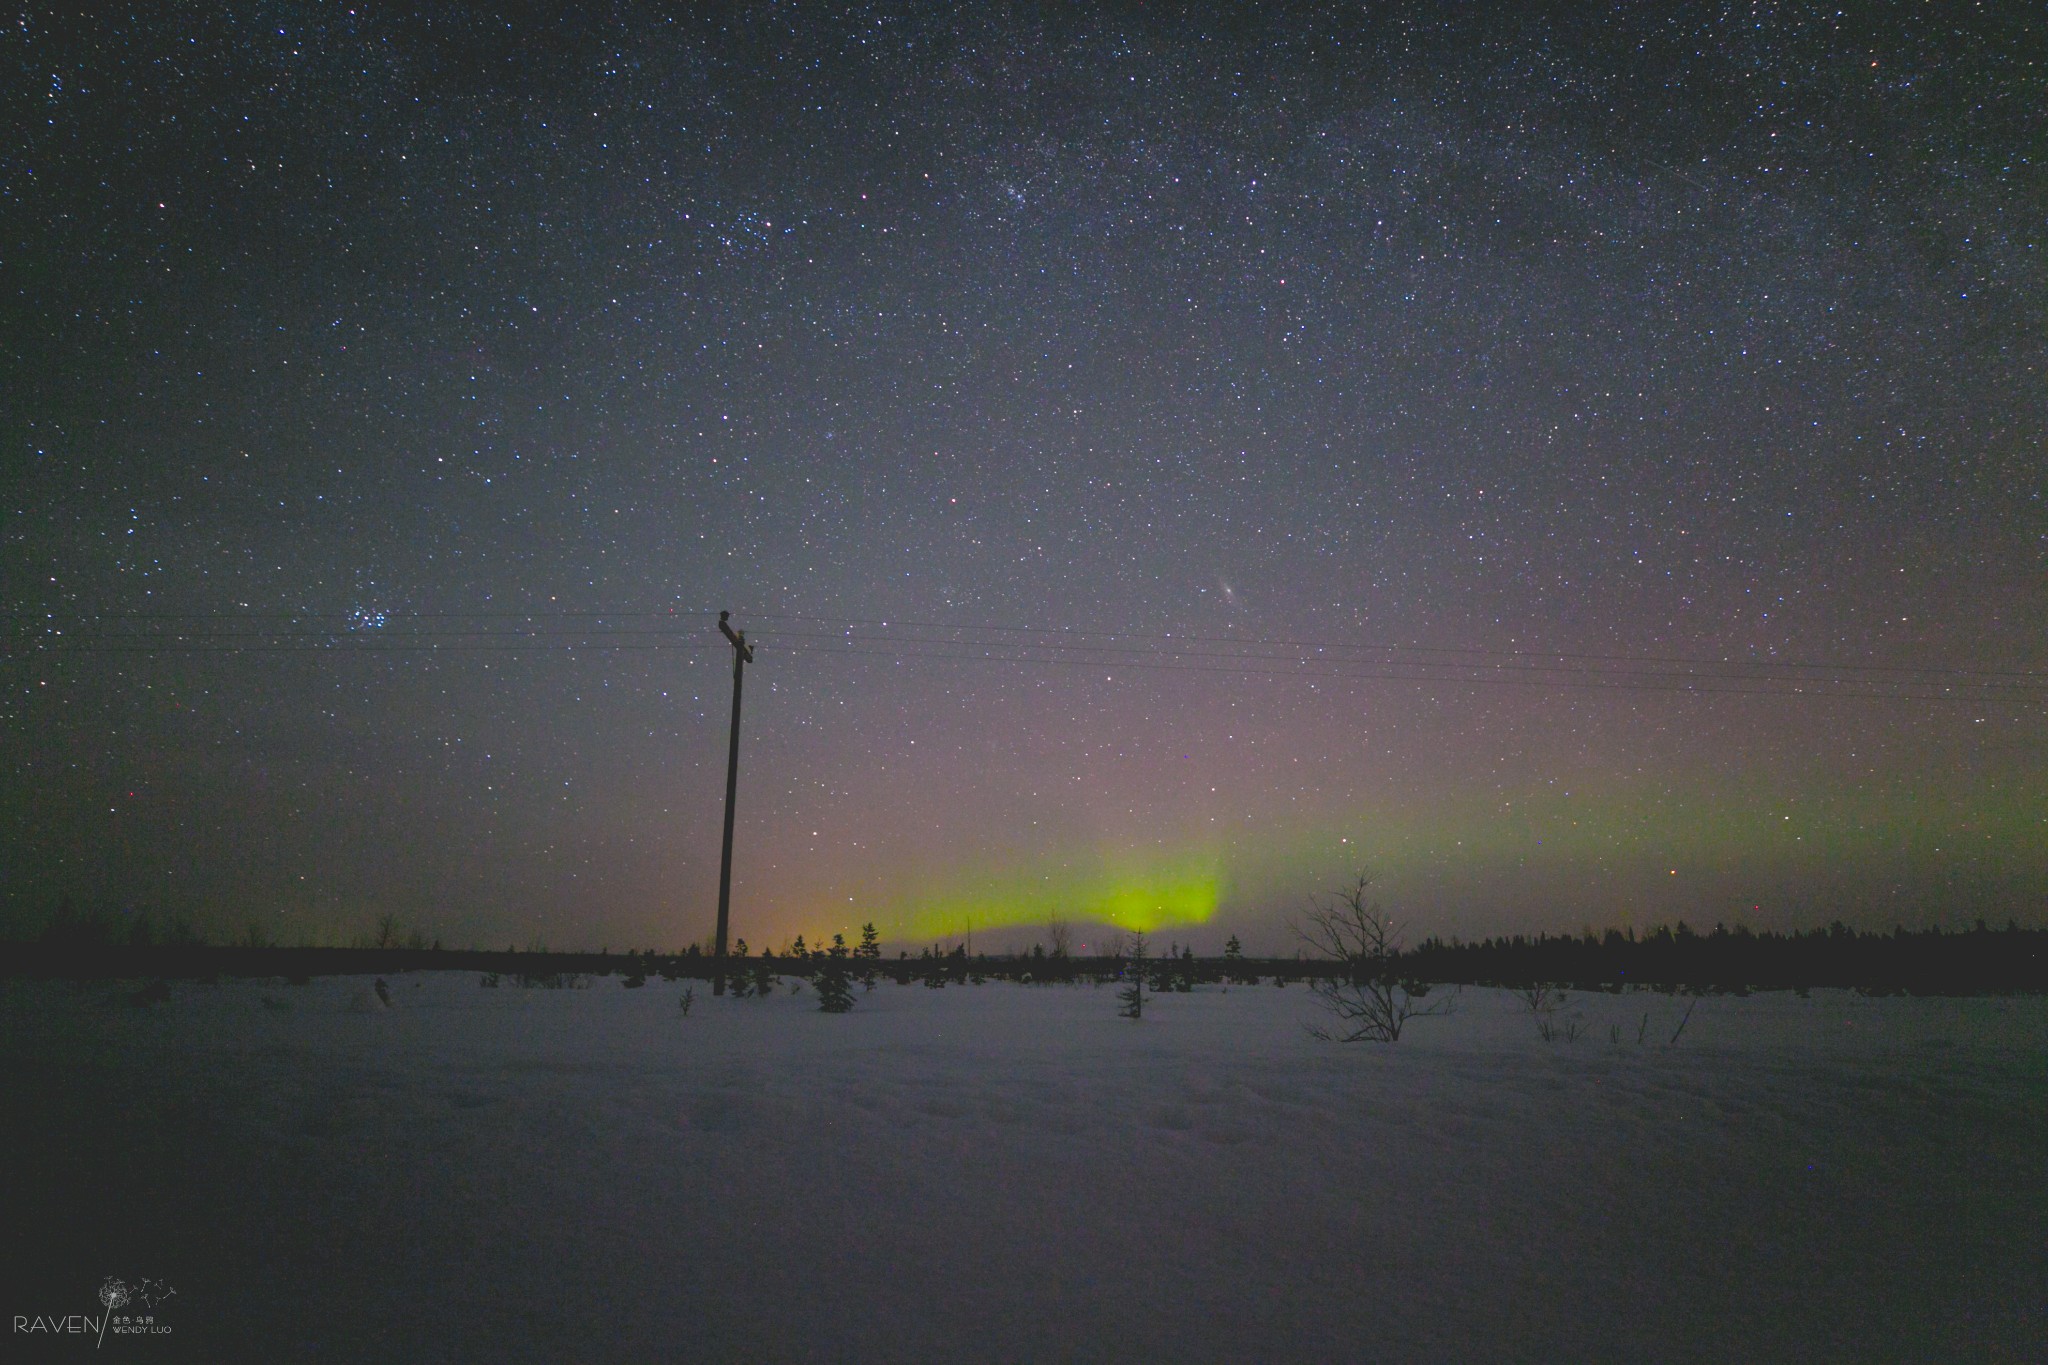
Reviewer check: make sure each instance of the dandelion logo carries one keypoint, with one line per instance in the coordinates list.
(113, 1296)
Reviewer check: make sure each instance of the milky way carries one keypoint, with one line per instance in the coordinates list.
(1586, 466)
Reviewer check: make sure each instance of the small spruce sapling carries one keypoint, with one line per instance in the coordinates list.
(835, 993)
(869, 951)
(742, 983)
(1131, 999)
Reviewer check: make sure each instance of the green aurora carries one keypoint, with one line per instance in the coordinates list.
(1123, 891)
(1777, 858)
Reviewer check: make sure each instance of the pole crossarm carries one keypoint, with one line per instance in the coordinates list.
(738, 637)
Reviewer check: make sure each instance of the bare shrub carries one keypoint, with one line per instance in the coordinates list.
(1367, 1003)
(1679, 1032)
(1061, 936)
(1546, 1003)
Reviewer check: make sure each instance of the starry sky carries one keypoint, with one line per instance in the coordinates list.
(1583, 463)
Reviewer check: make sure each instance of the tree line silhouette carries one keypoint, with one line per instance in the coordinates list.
(1975, 961)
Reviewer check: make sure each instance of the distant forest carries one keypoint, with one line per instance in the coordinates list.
(1976, 961)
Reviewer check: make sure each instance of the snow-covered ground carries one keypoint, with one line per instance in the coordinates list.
(1015, 1173)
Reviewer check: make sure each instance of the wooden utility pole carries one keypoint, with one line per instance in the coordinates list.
(742, 655)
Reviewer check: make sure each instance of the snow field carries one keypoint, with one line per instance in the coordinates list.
(1015, 1173)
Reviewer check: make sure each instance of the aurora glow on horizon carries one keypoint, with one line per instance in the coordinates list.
(1585, 470)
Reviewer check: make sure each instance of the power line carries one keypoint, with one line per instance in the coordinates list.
(1426, 649)
(1787, 687)
(1085, 649)
(1524, 661)
(1419, 673)
(1048, 638)
(253, 615)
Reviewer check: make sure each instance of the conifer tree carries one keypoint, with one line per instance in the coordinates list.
(835, 996)
(1131, 999)
(1233, 959)
(869, 951)
(742, 984)
(1164, 969)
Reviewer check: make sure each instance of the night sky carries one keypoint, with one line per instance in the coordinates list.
(1584, 463)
